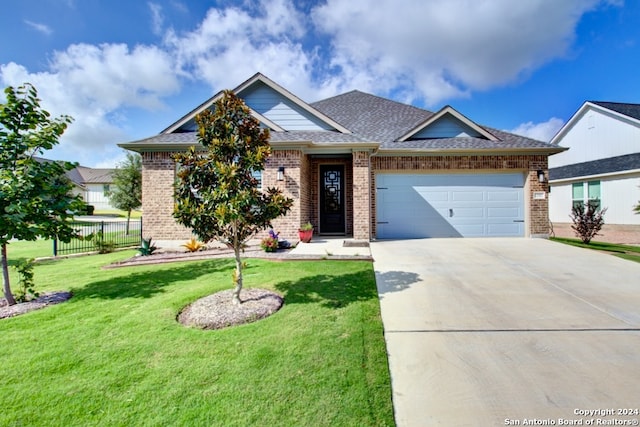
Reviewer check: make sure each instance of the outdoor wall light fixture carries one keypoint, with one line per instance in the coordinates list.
(280, 176)
(541, 175)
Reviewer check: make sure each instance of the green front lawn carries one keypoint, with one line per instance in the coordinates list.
(114, 354)
(628, 252)
(23, 250)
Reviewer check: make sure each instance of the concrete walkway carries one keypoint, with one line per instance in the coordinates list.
(484, 332)
(332, 246)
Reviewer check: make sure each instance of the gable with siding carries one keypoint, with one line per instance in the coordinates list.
(280, 109)
(447, 127)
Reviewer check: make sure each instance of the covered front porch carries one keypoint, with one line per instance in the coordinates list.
(331, 191)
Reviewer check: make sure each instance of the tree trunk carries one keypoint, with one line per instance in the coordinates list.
(5, 277)
(237, 275)
(128, 218)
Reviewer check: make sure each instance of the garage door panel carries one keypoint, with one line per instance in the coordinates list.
(505, 229)
(503, 213)
(467, 196)
(432, 196)
(414, 206)
(511, 195)
(471, 230)
(475, 213)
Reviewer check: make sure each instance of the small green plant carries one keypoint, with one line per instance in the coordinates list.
(103, 246)
(193, 245)
(26, 287)
(306, 227)
(146, 247)
(587, 222)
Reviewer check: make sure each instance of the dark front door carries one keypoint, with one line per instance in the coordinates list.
(332, 212)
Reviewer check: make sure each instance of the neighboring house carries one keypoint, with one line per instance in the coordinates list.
(367, 167)
(92, 184)
(602, 164)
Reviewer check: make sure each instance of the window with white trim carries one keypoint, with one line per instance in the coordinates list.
(258, 176)
(583, 192)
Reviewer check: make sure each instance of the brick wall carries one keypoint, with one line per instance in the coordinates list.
(537, 215)
(158, 177)
(362, 206)
(538, 207)
(301, 182)
(292, 185)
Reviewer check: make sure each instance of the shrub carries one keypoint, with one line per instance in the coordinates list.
(26, 287)
(193, 245)
(587, 222)
(146, 247)
(103, 246)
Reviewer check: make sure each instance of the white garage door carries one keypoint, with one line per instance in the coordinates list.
(480, 205)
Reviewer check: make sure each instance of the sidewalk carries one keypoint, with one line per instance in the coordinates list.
(332, 247)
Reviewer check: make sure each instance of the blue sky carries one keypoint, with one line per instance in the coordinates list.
(127, 69)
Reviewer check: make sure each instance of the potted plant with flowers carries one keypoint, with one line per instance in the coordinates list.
(270, 243)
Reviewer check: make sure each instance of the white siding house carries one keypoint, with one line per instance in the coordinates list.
(602, 163)
(93, 184)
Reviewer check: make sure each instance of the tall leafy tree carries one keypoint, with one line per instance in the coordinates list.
(35, 195)
(126, 192)
(216, 193)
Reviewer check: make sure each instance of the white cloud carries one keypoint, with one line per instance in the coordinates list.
(42, 28)
(157, 19)
(92, 84)
(111, 162)
(232, 44)
(541, 131)
(445, 48)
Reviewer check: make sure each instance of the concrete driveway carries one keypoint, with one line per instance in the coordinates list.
(484, 332)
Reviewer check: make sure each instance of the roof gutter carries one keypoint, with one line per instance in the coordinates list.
(471, 152)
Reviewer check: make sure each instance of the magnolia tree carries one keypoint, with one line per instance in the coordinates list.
(217, 195)
(35, 195)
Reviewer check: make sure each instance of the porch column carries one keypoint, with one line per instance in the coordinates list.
(361, 196)
(538, 199)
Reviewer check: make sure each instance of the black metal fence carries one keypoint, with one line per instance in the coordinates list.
(101, 236)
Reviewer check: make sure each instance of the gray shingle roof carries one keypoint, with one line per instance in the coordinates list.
(191, 138)
(385, 121)
(81, 175)
(315, 136)
(464, 143)
(95, 176)
(373, 119)
(630, 110)
(596, 167)
(378, 119)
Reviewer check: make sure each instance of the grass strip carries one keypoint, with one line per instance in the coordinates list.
(628, 252)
